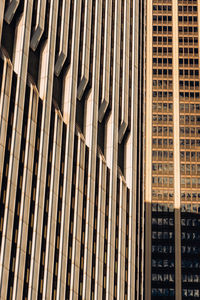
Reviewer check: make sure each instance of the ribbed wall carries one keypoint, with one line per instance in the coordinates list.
(69, 149)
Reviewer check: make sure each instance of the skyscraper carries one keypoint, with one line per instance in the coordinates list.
(71, 214)
(172, 177)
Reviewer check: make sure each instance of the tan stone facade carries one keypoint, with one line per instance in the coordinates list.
(70, 149)
(172, 176)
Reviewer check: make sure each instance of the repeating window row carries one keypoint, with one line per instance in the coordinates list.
(188, 40)
(162, 130)
(162, 19)
(162, 181)
(191, 293)
(162, 8)
(189, 84)
(162, 143)
(162, 168)
(187, 107)
(187, 1)
(191, 223)
(190, 278)
(189, 182)
(190, 131)
(162, 118)
(164, 72)
(162, 107)
(158, 207)
(186, 95)
(190, 156)
(188, 208)
(162, 84)
(190, 51)
(188, 29)
(162, 39)
(163, 277)
(162, 61)
(162, 195)
(163, 221)
(195, 236)
(189, 62)
(162, 29)
(162, 50)
(162, 292)
(187, 73)
(193, 196)
(164, 1)
(190, 119)
(187, 8)
(162, 155)
(189, 143)
(163, 249)
(193, 169)
(189, 19)
(167, 95)
(163, 263)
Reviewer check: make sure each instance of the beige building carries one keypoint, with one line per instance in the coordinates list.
(71, 215)
(172, 176)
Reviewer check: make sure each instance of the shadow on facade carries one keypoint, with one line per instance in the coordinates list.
(163, 250)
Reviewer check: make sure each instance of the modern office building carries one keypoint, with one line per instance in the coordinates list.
(172, 145)
(71, 213)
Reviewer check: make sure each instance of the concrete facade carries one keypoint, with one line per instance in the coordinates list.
(71, 218)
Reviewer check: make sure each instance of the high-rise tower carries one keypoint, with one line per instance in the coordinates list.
(172, 177)
(70, 149)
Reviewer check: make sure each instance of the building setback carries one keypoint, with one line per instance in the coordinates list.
(172, 177)
(71, 213)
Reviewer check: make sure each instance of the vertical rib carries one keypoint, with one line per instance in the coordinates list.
(26, 195)
(69, 110)
(45, 91)
(4, 108)
(125, 79)
(148, 158)
(132, 164)
(100, 230)
(63, 48)
(2, 6)
(20, 66)
(86, 49)
(121, 240)
(177, 180)
(112, 153)
(52, 212)
(76, 243)
(91, 140)
(106, 61)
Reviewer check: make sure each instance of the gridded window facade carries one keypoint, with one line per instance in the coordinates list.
(189, 145)
(172, 148)
(189, 100)
(190, 250)
(163, 248)
(162, 105)
(163, 251)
